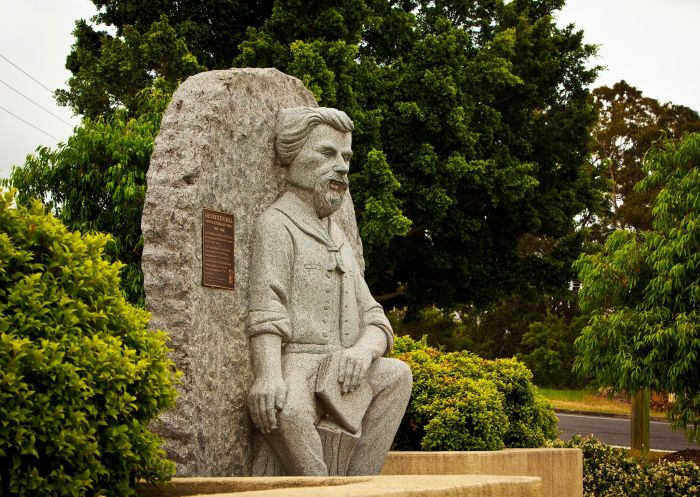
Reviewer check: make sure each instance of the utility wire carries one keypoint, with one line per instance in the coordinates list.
(37, 104)
(28, 123)
(28, 75)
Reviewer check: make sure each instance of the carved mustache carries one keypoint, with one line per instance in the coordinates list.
(336, 182)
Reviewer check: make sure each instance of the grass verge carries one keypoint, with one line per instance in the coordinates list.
(588, 401)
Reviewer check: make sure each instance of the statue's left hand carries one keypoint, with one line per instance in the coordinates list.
(353, 367)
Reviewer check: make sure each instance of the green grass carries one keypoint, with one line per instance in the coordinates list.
(564, 395)
(588, 401)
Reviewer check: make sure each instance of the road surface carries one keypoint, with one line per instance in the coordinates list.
(616, 431)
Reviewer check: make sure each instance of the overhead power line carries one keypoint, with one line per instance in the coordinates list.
(28, 123)
(36, 103)
(27, 74)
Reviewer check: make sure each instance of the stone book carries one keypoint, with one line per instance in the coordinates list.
(346, 409)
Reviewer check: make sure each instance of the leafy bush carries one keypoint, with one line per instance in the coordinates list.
(537, 329)
(609, 472)
(463, 402)
(80, 375)
(547, 349)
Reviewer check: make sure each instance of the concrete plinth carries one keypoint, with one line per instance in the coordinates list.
(561, 470)
(370, 486)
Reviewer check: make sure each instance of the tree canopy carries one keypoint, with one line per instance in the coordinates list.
(96, 182)
(644, 290)
(472, 121)
(628, 125)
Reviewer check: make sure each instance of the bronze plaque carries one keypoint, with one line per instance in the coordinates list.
(217, 249)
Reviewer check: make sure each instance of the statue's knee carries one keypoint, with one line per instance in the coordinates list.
(293, 419)
(400, 374)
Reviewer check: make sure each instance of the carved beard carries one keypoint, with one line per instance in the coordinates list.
(327, 200)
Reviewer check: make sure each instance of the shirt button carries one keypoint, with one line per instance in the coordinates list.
(325, 307)
(328, 289)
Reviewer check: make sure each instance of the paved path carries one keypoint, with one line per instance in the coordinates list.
(616, 431)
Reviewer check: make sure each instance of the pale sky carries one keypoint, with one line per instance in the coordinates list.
(652, 44)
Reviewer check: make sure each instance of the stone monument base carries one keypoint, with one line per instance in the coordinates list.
(561, 470)
(356, 486)
(506, 473)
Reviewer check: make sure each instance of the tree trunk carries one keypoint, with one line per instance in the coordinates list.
(640, 421)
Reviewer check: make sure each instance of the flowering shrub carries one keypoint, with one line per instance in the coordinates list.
(609, 472)
(463, 402)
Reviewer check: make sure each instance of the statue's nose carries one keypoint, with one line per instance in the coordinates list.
(341, 167)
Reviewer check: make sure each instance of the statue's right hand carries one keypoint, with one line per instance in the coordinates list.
(266, 397)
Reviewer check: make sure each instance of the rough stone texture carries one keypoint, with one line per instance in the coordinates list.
(313, 325)
(376, 486)
(214, 150)
(561, 470)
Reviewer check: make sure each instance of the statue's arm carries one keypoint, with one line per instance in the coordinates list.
(376, 323)
(268, 319)
(375, 340)
(269, 391)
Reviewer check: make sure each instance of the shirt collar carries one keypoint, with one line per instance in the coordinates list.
(304, 217)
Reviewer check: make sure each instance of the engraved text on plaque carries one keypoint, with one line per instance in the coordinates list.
(217, 249)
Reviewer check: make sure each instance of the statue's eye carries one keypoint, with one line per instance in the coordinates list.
(328, 153)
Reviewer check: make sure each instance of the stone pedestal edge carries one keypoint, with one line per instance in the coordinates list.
(561, 470)
(371, 486)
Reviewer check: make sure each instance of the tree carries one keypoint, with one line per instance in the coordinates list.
(212, 29)
(110, 72)
(628, 125)
(644, 290)
(472, 119)
(97, 181)
(481, 113)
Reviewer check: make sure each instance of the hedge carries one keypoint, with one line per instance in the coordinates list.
(80, 375)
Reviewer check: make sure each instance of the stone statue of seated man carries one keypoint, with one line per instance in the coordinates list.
(309, 302)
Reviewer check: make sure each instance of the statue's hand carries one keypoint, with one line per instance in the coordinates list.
(266, 396)
(353, 367)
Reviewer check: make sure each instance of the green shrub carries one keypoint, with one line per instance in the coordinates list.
(80, 375)
(463, 402)
(547, 349)
(610, 472)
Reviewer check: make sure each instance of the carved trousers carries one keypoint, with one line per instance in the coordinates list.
(296, 442)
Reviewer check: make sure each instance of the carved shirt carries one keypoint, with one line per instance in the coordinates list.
(305, 285)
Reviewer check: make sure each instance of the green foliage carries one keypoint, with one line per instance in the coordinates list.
(212, 29)
(609, 472)
(109, 72)
(628, 126)
(80, 375)
(472, 119)
(547, 349)
(539, 330)
(97, 181)
(463, 402)
(644, 290)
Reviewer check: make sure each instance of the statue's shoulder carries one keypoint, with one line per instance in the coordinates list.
(275, 213)
(273, 225)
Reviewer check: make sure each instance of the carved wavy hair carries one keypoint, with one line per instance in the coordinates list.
(295, 124)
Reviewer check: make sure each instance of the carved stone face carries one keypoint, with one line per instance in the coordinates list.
(321, 168)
